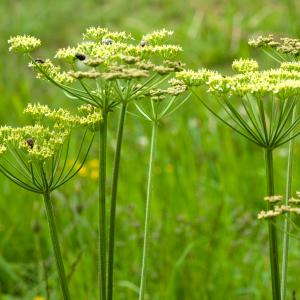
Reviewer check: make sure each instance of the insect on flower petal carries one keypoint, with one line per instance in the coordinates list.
(80, 56)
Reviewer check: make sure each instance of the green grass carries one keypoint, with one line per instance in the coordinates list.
(206, 242)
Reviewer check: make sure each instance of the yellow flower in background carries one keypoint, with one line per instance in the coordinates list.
(94, 175)
(83, 171)
(169, 168)
(39, 298)
(90, 169)
(93, 163)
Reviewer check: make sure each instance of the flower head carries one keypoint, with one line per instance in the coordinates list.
(108, 63)
(23, 43)
(156, 37)
(281, 45)
(245, 65)
(88, 116)
(46, 141)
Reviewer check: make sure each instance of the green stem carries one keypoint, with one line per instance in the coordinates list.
(102, 207)
(56, 247)
(148, 211)
(286, 226)
(273, 247)
(111, 245)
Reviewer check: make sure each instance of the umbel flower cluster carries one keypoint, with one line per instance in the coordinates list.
(282, 82)
(109, 69)
(281, 45)
(106, 70)
(266, 98)
(277, 210)
(33, 156)
(111, 59)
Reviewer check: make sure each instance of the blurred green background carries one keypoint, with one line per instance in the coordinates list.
(206, 242)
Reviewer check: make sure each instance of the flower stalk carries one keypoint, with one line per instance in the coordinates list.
(286, 225)
(118, 70)
(115, 179)
(102, 207)
(148, 211)
(56, 246)
(273, 245)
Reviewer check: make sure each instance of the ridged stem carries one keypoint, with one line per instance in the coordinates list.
(102, 207)
(111, 246)
(56, 246)
(148, 211)
(286, 225)
(273, 246)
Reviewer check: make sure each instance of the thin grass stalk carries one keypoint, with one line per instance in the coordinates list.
(286, 225)
(273, 245)
(148, 211)
(56, 246)
(112, 228)
(102, 208)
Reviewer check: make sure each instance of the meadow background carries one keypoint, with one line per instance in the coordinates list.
(206, 242)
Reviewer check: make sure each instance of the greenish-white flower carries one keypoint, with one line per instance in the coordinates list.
(245, 65)
(23, 43)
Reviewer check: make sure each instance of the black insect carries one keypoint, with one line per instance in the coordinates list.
(80, 56)
(39, 61)
(143, 43)
(30, 142)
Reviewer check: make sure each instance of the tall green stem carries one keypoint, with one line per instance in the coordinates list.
(148, 211)
(286, 230)
(273, 247)
(56, 247)
(111, 246)
(102, 207)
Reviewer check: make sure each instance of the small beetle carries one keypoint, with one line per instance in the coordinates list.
(39, 61)
(30, 142)
(80, 56)
(107, 41)
(143, 43)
